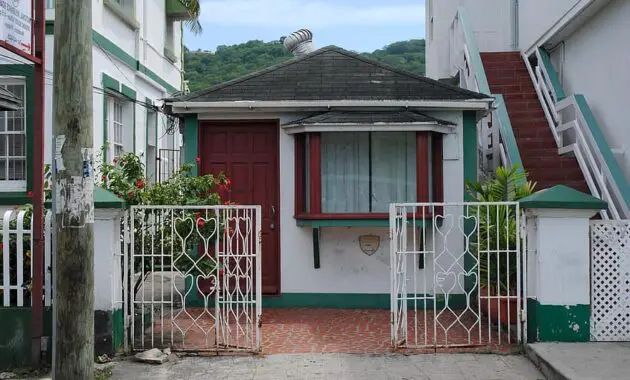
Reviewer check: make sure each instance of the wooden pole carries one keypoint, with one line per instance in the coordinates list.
(37, 321)
(73, 155)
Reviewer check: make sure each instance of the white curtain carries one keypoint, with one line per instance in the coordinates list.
(393, 169)
(346, 171)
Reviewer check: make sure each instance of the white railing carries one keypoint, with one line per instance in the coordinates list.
(16, 250)
(575, 131)
(498, 143)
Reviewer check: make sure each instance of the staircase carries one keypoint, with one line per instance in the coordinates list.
(507, 75)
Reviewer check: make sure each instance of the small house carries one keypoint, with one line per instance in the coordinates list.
(324, 143)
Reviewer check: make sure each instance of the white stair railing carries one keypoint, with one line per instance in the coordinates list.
(576, 132)
(497, 142)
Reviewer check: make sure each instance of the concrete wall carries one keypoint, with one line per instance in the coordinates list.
(491, 21)
(535, 17)
(594, 62)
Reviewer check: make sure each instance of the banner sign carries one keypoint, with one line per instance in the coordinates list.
(16, 24)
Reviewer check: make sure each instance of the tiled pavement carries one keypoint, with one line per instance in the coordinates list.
(365, 331)
(335, 366)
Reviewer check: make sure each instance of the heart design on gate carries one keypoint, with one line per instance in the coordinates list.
(463, 221)
(461, 280)
(444, 223)
(446, 281)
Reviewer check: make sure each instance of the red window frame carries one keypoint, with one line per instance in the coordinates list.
(309, 179)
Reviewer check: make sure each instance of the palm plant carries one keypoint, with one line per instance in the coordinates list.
(496, 244)
(194, 10)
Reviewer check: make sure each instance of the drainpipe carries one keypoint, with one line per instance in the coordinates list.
(515, 25)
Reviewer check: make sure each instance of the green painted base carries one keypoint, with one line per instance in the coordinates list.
(345, 301)
(558, 323)
(15, 337)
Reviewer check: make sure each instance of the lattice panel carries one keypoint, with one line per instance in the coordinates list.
(610, 280)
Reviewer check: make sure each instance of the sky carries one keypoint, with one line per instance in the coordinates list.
(360, 25)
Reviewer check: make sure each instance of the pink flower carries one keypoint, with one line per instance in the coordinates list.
(198, 159)
(30, 194)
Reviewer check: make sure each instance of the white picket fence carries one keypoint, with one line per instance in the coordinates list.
(16, 225)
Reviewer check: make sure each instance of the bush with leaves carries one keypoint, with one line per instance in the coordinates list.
(179, 232)
(497, 236)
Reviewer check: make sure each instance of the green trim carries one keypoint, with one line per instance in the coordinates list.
(470, 175)
(604, 148)
(559, 323)
(175, 10)
(473, 51)
(118, 330)
(351, 301)
(14, 198)
(15, 336)
(349, 223)
(507, 133)
(553, 75)
(123, 14)
(128, 92)
(113, 49)
(28, 72)
(563, 197)
(103, 199)
(191, 140)
(110, 83)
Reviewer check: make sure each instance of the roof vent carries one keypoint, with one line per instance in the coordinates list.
(299, 43)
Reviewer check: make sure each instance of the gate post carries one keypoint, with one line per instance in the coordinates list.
(108, 276)
(558, 264)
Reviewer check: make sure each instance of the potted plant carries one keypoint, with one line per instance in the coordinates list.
(496, 241)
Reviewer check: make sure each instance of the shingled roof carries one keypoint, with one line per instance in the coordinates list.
(330, 73)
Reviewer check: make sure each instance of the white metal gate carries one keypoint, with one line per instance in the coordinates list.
(457, 277)
(195, 277)
(610, 280)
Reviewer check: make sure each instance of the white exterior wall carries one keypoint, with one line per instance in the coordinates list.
(145, 45)
(594, 62)
(491, 21)
(535, 17)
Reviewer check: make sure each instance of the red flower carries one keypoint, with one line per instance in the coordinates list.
(130, 194)
(198, 214)
(198, 159)
(140, 184)
(104, 177)
(30, 194)
(201, 222)
(115, 160)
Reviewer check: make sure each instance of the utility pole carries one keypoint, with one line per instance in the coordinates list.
(74, 185)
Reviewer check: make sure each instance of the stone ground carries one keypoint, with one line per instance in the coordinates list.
(335, 366)
(582, 361)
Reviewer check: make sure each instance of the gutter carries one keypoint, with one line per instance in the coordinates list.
(196, 107)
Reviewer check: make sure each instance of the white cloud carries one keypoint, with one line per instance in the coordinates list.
(308, 13)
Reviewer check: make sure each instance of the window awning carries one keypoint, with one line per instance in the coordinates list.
(8, 101)
(350, 121)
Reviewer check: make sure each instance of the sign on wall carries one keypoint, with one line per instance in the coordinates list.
(16, 24)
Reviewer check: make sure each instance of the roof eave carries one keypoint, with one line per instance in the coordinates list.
(481, 104)
(368, 127)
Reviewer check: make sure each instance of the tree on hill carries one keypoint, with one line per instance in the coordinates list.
(204, 68)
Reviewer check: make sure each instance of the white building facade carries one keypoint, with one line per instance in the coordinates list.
(137, 60)
(583, 40)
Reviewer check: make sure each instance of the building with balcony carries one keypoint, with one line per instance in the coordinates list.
(137, 60)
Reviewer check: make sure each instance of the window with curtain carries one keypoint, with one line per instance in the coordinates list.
(13, 141)
(363, 172)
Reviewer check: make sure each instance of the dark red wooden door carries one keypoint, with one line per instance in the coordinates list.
(248, 153)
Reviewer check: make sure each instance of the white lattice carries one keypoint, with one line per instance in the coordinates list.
(610, 280)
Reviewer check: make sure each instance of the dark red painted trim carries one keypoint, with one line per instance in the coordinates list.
(315, 173)
(438, 170)
(299, 173)
(358, 216)
(38, 42)
(422, 167)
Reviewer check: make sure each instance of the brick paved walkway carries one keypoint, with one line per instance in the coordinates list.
(365, 331)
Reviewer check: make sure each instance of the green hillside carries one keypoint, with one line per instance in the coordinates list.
(204, 69)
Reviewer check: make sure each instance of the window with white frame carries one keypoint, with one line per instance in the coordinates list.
(120, 126)
(13, 140)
